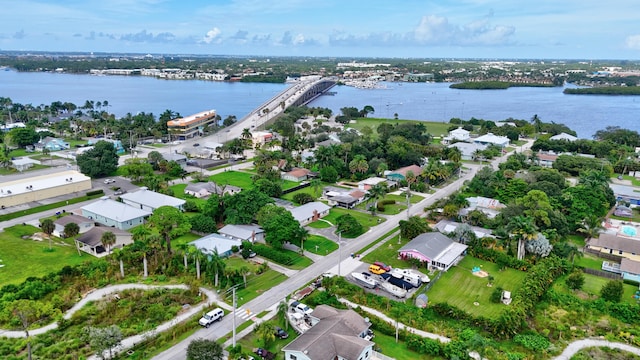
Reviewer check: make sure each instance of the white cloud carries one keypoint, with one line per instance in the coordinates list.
(436, 30)
(212, 35)
(633, 42)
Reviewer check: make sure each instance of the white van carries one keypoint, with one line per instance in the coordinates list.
(211, 317)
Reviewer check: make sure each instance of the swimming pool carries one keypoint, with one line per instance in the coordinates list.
(628, 230)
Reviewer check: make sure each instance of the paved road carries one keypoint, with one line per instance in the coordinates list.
(578, 345)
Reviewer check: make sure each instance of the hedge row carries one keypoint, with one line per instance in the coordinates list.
(273, 254)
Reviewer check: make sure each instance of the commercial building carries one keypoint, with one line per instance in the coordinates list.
(190, 126)
(148, 200)
(42, 187)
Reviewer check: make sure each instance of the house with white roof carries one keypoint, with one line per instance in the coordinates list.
(113, 213)
(488, 206)
(491, 139)
(458, 134)
(368, 183)
(467, 150)
(564, 136)
(243, 232)
(447, 226)
(36, 188)
(148, 200)
(24, 163)
(201, 189)
(434, 249)
(310, 212)
(213, 243)
(626, 193)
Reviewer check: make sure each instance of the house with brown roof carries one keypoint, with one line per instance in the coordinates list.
(296, 174)
(546, 159)
(335, 334)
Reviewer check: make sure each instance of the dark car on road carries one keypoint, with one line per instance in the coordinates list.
(280, 333)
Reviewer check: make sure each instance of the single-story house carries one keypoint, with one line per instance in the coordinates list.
(148, 200)
(296, 174)
(368, 183)
(623, 211)
(216, 243)
(345, 198)
(117, 144)
(401, 174)
(458, 134)
(310, 212)
(630, 269)
(113, 213)
(51, 144)
(91, 241)
(488, 206)
(178, 158)
(202, 189)
(626, 193)
(546, 159)
(24, 163)
(616, 245)
(491, 139)
(447, 226)
(335, 334)
(249, 232)
(434, 249)
(468, 150)
(84, 224)
(564, 136)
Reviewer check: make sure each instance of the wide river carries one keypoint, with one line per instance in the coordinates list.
(418, 101)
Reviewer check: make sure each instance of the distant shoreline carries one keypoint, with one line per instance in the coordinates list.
(495, 85)
(605, 90)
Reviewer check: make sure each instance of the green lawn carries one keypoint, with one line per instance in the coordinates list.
(433, 128)
(178, 190)
(235, 178)
(589, 261)
(319, 245)
(23, 258)
(592, 286)
(365, 219)
(388, 253)
(397, 350)
(256, 285)
(186, 238)
(460, 288)
(252, 341)
(308, 190)
(319, 224)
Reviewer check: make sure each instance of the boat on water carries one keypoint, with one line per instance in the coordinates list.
(364, 279)
(393, 290)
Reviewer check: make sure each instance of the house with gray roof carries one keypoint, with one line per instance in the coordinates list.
(491, 139)
(205, 189)
(113, 213)
(616, 245)
(212, 243)
(248, 232)
(564, 136)
(148, 200)
(447, 226)
(336, 334)
(468, 150)
(84, 224)
(310, 212)
(435, 249)
(630, 269)
(91, 241)
(626, 193)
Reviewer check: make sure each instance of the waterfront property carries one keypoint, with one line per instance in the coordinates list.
(434, 249)
(564, 136)
(113, 213)
(190, 126)
(458, 134)
(148, 200)
(22, 191)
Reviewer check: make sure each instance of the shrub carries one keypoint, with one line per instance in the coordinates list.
(273, 254)
(612, 291)
(302, 198)
(575, 280)
(496, 295)
(95, 192)
(191, 206)
(203, 224)
(534, 342)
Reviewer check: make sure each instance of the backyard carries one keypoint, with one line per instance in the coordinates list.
(319, 245)
(365, 219)
(460, 288)
(22, 258)
(592, 286)
(243, 180)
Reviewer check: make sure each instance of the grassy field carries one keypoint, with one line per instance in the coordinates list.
(589, 261)
(398, 350)
(235, 178)
(319, 245)
(365, 219)
(256, 285)
(388, 253)
(592, 286)
(393, 209)
(459, 287)
(22, 258)
(433, 128)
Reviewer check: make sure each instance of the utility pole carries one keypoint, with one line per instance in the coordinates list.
(339, 251)
(234, 316)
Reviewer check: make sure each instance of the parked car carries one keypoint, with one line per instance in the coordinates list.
(109, 181)
(382, 265)
(196, 144)
(264, 353)
(119, 192)
(211, 317)
(375, 269)
(301, 308)
(280, 333)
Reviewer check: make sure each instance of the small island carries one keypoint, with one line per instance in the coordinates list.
(496, 85)
(604, 90)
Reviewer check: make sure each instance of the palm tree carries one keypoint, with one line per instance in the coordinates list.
(198, 256)
(377, 191)
(523, 229)
(282, 313)
(591, 226)
(266, 332)
(315, 185)
(216, 265)
(119, 255)
(108, 239)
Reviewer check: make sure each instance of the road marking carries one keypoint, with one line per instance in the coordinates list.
(243, 313)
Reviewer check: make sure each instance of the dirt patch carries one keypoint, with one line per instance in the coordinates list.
(481, 273)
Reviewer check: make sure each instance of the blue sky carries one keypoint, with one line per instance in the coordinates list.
(567, 29)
